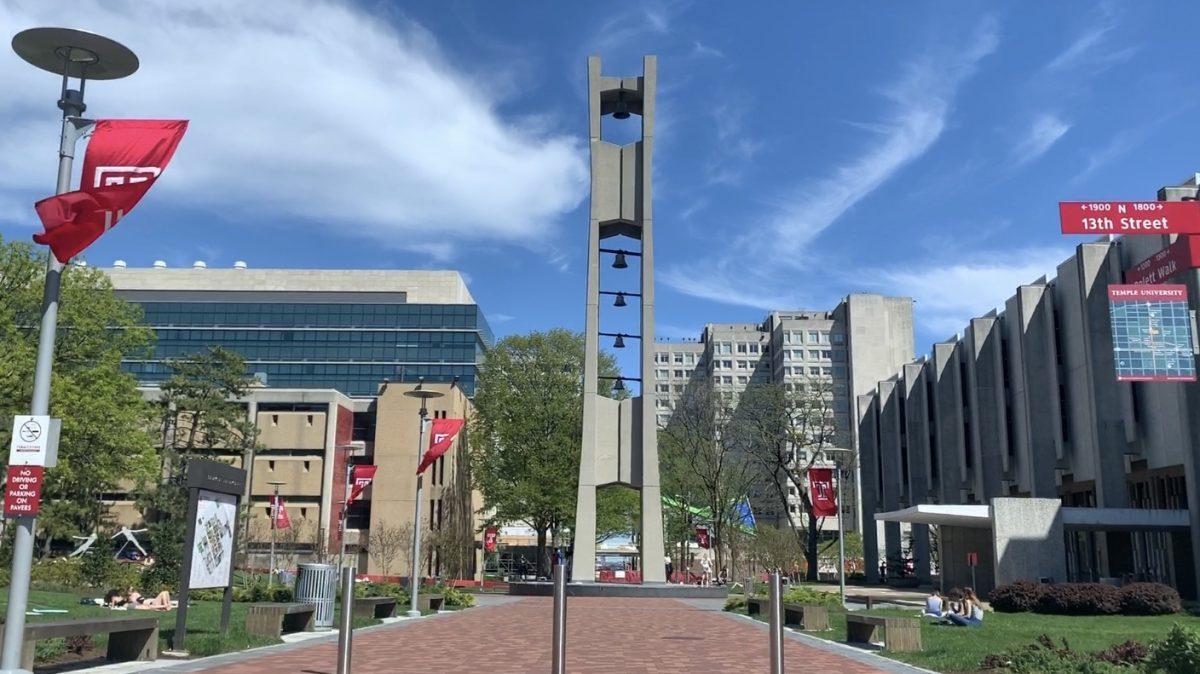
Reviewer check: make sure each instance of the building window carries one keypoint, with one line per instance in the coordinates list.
(741, 348)
(726, 380)
(824, 337)
(838, 338)
(814, 371)
(727, 364)
(724, 348)
(661, 374)
(742, 380)
(839, 355)
(787, 338)
(680, 374)
(664, 388)
(679, 359)
(814, 355)
(691, 359)
(753, 348)
(827, 354)
(812, 336)
(662, 358)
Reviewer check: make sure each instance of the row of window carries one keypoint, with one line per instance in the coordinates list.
(837, 355)
(724, 348)
(677, 358)
(814, 337)
(467, 354)
(350, 378)
(396, 337)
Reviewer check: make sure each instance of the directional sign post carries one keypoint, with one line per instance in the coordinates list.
(1129, 217)
(1180, 256)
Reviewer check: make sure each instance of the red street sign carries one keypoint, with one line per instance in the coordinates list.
(23, 494)
(1182, 255)
(972, 559)
(1129, 217)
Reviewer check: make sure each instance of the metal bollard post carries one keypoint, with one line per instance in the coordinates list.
(776, 623)
(346, 624)
(559, 652)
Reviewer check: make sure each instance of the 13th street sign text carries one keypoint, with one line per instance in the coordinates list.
(1129, 217)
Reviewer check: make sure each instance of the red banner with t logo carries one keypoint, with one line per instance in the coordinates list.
(360, 479)
(279, 514)
(124, 158)
(820, 489)
(441, 435)
(489, 539)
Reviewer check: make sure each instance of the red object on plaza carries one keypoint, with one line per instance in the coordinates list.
(1180, 256)
(441, 435)
(489, 539)
(124, 158)
(702, 538)
(279, 513)
(361, 477)
(820, 487)
(972, 559)
(23, 492)
(1129, 217)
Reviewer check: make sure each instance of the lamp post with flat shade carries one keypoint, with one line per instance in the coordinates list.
(275, 484)
(71, 54)
(838, 453)
(424, 395)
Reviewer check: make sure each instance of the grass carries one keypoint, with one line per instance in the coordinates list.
(204, 621)
(960, 649)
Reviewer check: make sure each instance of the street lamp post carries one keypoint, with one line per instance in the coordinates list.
(414, 580)
(345, 509)
(274, 519)
(82, 55)
(838, 453)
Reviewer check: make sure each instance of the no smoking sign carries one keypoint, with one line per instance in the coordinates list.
(34, 441)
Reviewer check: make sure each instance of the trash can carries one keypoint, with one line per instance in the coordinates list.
(317, 584)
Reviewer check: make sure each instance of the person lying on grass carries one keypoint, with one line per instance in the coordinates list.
(134, 599)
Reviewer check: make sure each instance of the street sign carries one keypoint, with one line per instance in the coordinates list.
(23, 492)
(1180, 256)
(34, 440)
(1151, 333)
(1129, 217)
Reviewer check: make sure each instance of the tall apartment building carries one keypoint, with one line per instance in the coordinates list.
(1018, 443)
(846, 348)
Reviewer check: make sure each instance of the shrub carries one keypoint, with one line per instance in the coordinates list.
(800, 594)
(1149, 599)
(61, 571)
(1045, 657)
(96, 569)
(1177, 653)
(736, 602)
(456, 597)
(1128, 653)
(1017, 597)
(1080, 599)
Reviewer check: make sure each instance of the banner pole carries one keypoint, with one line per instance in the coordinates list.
(414, 579)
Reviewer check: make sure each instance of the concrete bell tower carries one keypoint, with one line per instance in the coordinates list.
(620, 442)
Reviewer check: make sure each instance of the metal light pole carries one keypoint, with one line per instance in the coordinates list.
(345, 510)
(837, 462)
(82, 55)
(274, 519)
(414, 578)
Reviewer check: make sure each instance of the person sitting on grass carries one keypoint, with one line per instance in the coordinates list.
(134, 599)
(935, 606)
(971, 614)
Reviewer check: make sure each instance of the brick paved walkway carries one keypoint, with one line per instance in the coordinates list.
(604, 635)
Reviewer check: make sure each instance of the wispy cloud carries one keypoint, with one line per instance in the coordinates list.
(296, 120)
(1045, 131)
(701, 49)
(497, 318)
(735, 149)
(948, 295)
(920, 103)
(1094, 49)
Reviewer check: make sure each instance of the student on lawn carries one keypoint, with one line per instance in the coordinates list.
(935, 606)
(134, 599)
(972, 611)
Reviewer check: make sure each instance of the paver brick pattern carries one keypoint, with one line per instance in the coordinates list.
(603, 635)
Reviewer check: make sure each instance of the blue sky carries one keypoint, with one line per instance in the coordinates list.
(804, 150)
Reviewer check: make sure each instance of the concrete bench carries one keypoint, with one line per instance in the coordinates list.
(276, 618)
(430, 602)
(809, 617)
(899, 634)
(130, 637)
(375, 607)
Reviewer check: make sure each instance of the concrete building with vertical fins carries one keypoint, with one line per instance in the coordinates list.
(1020, 445)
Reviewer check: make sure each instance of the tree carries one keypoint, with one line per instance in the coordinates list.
(784, 429)
(104, 442)
(527, 427)
(703, 464)
(199, 417)
(386, 544)
(618, 510)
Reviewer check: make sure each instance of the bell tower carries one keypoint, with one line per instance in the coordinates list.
(620, 442)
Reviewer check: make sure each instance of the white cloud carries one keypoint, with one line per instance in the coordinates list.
(950, 294)
(1094, 49)
(319, 114)
(497, 319)
(1042, 134)
(718, 285)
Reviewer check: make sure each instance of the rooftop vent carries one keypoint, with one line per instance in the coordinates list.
(240, 264)
(119, 264)
(199, 264)
(160, 264)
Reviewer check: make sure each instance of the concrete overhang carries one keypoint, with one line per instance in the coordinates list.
(1125, 519)
(977, 516)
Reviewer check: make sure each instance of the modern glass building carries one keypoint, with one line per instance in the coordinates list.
(327, 329)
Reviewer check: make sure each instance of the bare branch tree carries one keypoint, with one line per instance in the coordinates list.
(386, 544)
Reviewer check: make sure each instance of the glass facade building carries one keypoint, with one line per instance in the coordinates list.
(304, 340)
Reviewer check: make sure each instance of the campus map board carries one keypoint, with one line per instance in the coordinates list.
(1152, 333)
(212, 553)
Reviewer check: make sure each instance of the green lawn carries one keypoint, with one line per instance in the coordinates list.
(960, 649)
(204, 619)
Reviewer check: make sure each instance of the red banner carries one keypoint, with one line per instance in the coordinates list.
(23, 493)
(441, 435)
(489, 538)
(820, 489)
(1129, 217)
(1178, 257)
(124, 158)
(702, 538)
(360, 479)
(279, 513)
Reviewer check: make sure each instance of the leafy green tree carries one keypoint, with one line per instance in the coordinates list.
(105, 445)
(618, 510)
(527, 428)
(200, 416)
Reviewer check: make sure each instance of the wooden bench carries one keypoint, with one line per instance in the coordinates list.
(430, 602)
(276, 618)
(375, 607)
(809, 617)
(899, 634)
(130, 637)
